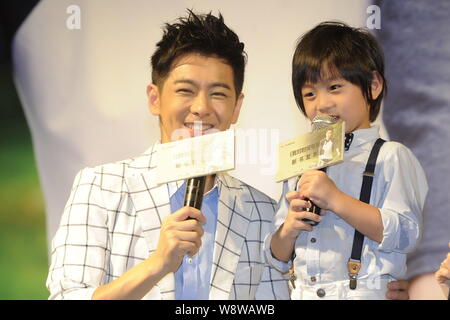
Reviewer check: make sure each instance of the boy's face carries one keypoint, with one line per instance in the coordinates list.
(341, 98)
(197, 89)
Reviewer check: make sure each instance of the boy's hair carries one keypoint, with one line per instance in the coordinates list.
(204, 34)
(343, 51)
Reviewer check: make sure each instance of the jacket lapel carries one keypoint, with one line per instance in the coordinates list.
(234, 215)
(152, 205)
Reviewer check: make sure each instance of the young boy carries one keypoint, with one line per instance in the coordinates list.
(339, 71)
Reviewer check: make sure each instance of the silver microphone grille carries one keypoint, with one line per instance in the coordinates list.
(320, 122)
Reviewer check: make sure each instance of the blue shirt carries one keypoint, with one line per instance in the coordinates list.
(193, 277)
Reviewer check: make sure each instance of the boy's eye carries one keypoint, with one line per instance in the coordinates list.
(335, 86)
(308, 94)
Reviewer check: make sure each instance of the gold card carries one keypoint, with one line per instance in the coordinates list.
(314, 150)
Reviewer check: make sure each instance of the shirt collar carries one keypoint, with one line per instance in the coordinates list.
(176, 185)
(363, 136)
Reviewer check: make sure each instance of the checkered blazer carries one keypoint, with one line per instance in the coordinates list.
(112, 222)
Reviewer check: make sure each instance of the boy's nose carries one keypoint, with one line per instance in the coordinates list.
(324, 104)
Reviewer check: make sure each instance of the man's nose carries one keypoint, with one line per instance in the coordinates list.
(200, 105)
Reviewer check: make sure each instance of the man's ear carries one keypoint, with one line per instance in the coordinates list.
(237, 109)
(153, 99)
(376, 86)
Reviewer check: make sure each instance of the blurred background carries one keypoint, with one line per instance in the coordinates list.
(23, 246)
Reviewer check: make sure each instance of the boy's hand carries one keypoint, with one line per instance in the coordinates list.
(293, 223)
(398, 290)
(443, 274)
(319, 188)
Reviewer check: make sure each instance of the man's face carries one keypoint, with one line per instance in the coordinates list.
(200, 90)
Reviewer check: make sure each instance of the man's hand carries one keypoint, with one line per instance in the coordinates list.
(319, 188)
(398, 290)
(178, 236)
(181, 234)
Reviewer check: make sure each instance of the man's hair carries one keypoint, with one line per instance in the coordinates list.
(343, 51)
(203, 34)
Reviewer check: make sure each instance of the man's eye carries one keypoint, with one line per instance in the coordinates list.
(184, 91)
(219, 94)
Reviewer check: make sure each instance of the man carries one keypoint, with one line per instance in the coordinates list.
(326, 147)
(123, 237)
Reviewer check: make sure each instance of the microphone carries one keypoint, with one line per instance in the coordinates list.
(318, 122)
(195, 187)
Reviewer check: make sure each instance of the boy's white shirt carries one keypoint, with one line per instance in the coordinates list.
(399, 191)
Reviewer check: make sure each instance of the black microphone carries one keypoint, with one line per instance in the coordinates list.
(318, 122)
(195, 187)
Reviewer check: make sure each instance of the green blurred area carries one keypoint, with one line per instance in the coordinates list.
(23, 246)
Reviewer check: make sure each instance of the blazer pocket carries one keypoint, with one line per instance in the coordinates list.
(246, 280)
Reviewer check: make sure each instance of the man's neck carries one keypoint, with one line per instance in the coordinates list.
(209, 183)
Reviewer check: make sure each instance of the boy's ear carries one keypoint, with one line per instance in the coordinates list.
(237, 109)
(377, 84)
(153, 99)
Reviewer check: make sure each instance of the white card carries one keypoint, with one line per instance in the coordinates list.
(195, 157)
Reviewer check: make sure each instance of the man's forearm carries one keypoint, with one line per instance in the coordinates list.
(133, 284)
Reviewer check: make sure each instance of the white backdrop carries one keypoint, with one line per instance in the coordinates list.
(83, 89)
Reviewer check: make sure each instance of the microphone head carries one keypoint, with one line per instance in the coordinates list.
(322, 121)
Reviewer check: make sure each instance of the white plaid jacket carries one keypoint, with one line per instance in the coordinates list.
(112, 222)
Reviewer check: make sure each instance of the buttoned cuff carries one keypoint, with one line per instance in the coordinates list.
(391, 230)
(279, 265)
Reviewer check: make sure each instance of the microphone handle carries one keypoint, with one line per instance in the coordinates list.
(314, 208)
(195, 187)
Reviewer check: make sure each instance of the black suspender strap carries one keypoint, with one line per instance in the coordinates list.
(354, 263)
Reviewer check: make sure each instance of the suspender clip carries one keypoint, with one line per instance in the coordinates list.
(368, 174)
(353, 267)
(292, 277)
